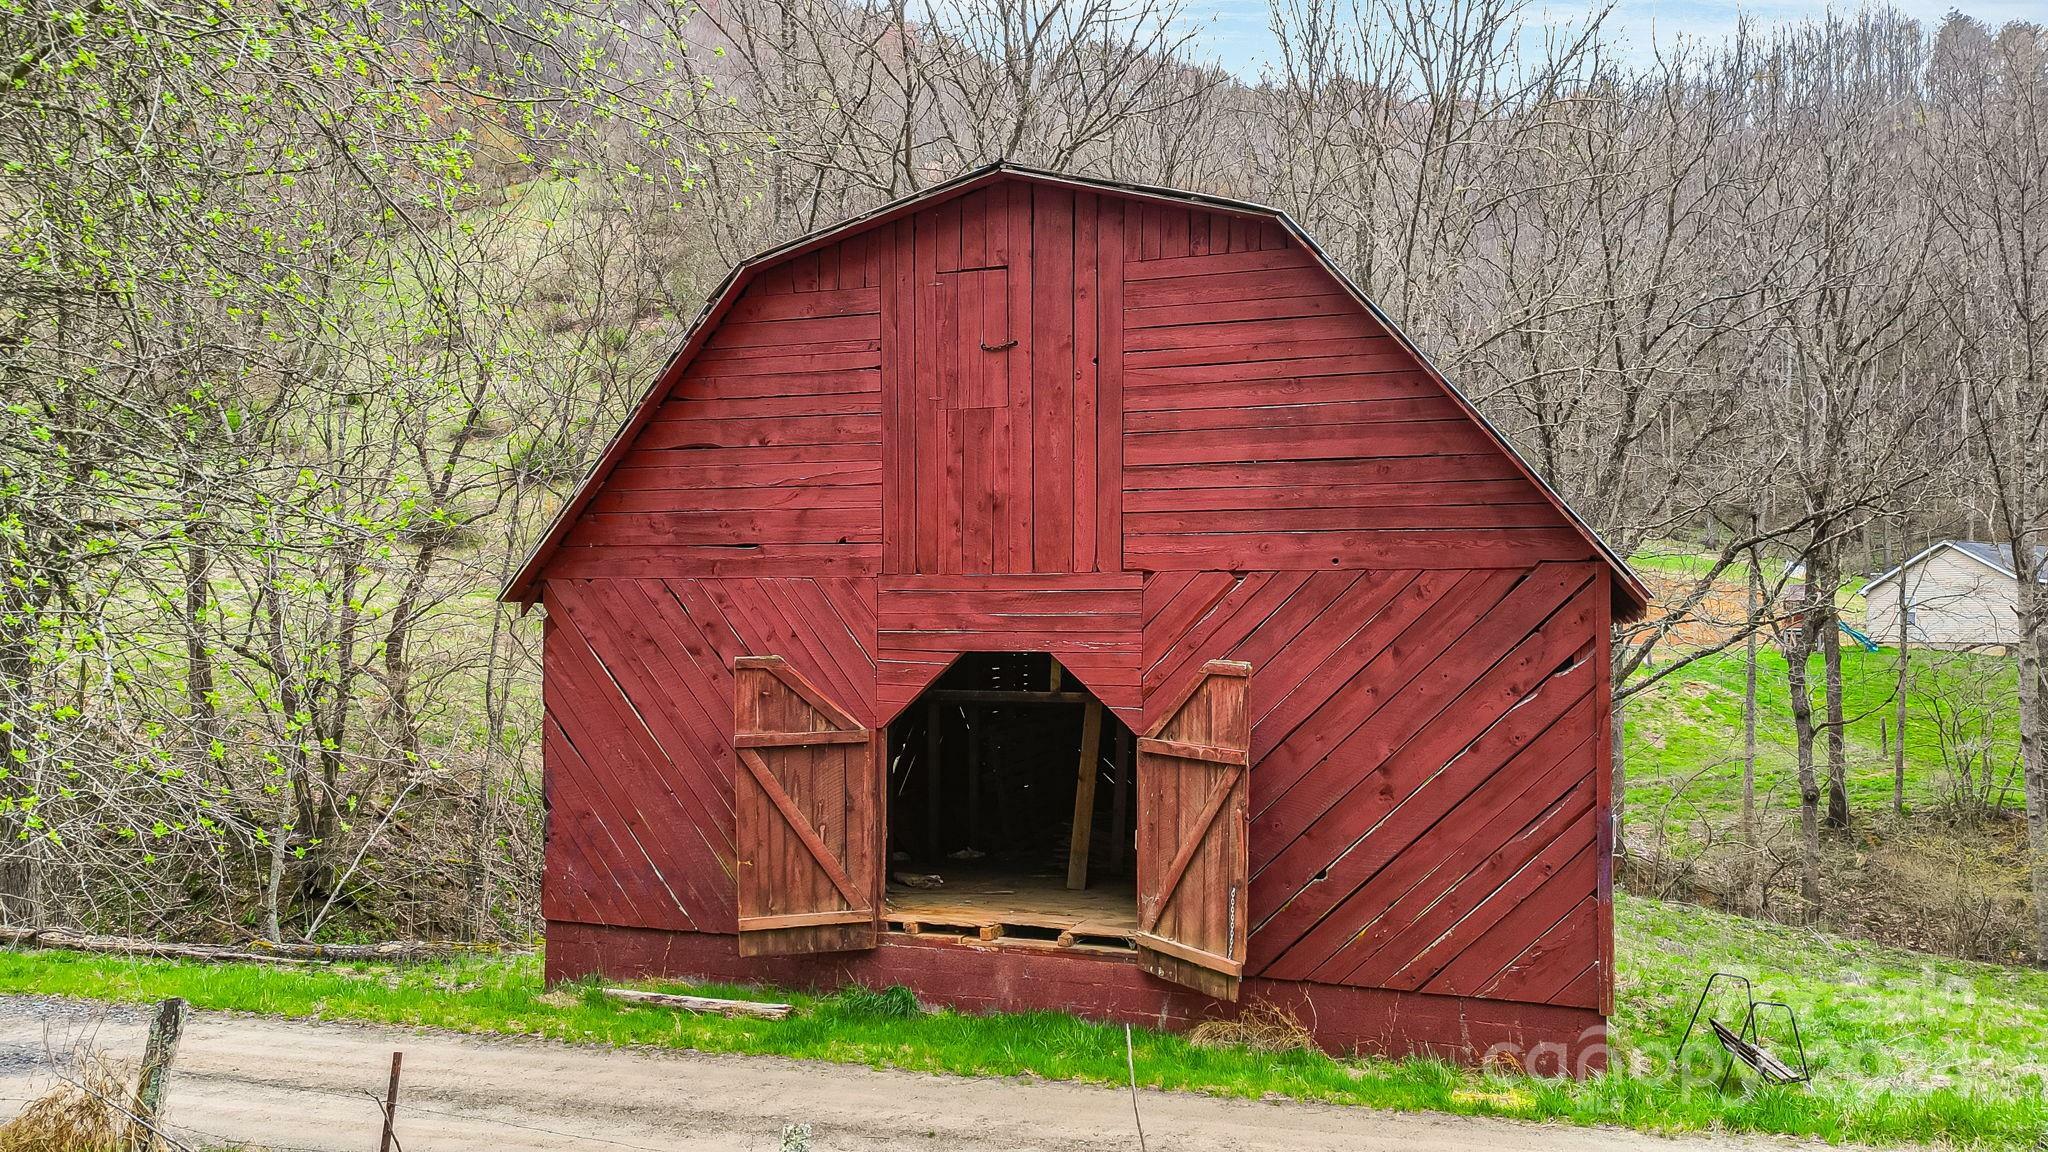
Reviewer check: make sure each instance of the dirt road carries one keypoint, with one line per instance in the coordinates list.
(289, 1085)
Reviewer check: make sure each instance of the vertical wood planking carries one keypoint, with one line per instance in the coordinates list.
(931, 432)
(1015, 457)
(1052, 372)
(1191, 846)
(1017, 484)
(1109, 443)
(1086, 356)
(899, 414)
(807, 872)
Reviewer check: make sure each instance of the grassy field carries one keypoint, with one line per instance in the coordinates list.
(1908, 1048)
(1675, 558)
(1684, 736)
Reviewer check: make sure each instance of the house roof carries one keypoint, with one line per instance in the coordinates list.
(1632, 596)
(1997, 557)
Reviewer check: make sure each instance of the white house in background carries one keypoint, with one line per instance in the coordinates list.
(1959, 594)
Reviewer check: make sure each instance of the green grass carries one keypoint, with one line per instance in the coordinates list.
(1908, 1048)
(1684, 735)
(1677, 559)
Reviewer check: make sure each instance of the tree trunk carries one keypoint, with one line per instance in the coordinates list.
(273, 875)
(1749, 839)
(2033, 615)
(1796, 653)
(1899, 705)
(1820, 602)
(199, 659)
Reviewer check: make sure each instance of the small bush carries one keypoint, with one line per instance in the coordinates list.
(892, 1003)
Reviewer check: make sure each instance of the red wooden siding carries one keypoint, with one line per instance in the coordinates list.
(1271, 423)
(992, 311)
(765, 458)
(1089, 621)
(639, 727)
(1029, 379)
(1420, 740)
(1140, 436)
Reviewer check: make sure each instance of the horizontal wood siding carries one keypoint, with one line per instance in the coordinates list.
(1271, 423)
(765, 459)
(1424, 765)
(1090, 622)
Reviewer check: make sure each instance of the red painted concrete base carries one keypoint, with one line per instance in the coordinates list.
(975, 977)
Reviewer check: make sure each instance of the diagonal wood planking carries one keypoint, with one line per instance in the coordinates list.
(1385, 838)
(638, 697)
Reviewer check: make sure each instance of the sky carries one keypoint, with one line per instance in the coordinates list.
(1235, 31)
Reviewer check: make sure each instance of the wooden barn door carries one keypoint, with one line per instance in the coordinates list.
(805, 816)
(1194, 817)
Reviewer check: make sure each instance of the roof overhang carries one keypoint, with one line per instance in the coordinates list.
(1954, 546)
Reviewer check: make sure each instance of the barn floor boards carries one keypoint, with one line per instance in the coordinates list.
(992, 905)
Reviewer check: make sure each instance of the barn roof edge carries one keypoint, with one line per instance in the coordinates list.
(523, 588)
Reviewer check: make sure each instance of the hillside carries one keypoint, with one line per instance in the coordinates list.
(1946, 875)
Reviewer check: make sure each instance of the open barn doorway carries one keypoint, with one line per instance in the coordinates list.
(1011, 807)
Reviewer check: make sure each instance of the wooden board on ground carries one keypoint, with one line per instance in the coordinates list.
(700, 1004)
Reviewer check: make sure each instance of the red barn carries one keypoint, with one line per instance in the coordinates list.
(1046, 593)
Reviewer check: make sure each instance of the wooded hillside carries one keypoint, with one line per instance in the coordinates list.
(311, 316)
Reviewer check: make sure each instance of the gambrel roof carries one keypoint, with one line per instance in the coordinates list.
(1631, 597)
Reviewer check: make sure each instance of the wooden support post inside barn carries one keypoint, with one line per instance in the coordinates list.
(1084, 797)
(1120, 801)
(975, 737)
(1024, 460)
(934, 785)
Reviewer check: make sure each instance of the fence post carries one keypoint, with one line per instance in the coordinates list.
(391, 1103)
(157, 1055)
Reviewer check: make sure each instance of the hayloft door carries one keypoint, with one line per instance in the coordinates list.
(1194, 819)
(807, 833)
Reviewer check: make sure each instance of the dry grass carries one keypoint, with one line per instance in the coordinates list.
(75, 1116)
(1262, 1027)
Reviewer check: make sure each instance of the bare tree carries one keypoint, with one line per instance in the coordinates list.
(1993, 191)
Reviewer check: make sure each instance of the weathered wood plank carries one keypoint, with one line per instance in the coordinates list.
(705, 1005)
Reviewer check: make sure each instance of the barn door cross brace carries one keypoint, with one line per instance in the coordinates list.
(797, 824)
(1219, 793)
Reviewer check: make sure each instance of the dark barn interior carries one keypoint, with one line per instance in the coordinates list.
(1010, 809)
